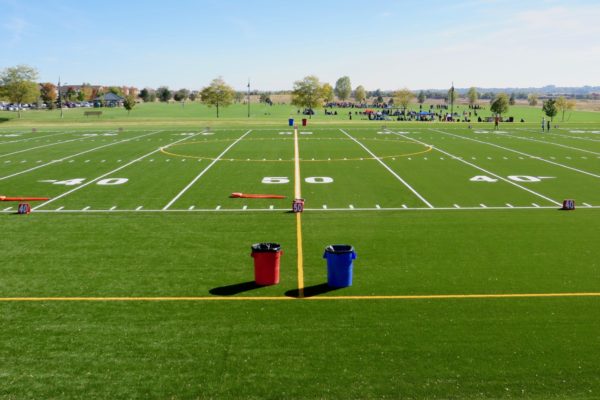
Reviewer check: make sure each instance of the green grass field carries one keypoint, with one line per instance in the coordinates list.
(135, 279)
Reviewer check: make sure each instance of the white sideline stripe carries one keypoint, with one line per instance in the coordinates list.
(586, 204)
(44, 145)
(564, 136)
(486, 171)
(547, 142)
(35, 137)
(185, 189)
(389, 169)
(75, 155)
(233, 210)
(519, 152)
(109, 173)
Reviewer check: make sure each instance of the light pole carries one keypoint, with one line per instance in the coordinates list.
(60, 99)
(248, 97)
(452, 103)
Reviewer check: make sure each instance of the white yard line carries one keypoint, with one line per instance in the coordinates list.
(111, 172)
(389, 169)
(35, 137)
(564, 136)
(75, 155)
(185, 189)
(486, 171)
(44, 145)
(547, 142)
(113, 210)
(518, 152)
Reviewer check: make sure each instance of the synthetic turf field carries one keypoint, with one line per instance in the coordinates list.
(435, 212)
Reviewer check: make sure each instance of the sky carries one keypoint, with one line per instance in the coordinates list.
(387, 44)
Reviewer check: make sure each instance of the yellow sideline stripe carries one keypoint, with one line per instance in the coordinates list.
(283, 298)
(298, 195)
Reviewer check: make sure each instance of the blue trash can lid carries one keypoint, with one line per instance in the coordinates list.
(339, 248)
(265, 247)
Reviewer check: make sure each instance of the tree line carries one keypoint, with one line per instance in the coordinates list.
(19, 85)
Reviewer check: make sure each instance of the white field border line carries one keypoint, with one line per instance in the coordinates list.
(189, 185)
(36, 137)
(389, 169)
(260, 210)
(486, 171)
(546, 134)
(547, 142)
(110, 173)
(75, 155)
(564, 135)
(45, 145)
(518, 152)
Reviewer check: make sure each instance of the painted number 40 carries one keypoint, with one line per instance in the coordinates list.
(515, 178)
(273, 180)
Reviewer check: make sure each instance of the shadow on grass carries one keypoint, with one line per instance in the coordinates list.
(236, 288)
(311, 291)
(4, 120)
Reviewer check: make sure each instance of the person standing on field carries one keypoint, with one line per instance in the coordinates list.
(496, 121)
(543, 124)
(548, 126)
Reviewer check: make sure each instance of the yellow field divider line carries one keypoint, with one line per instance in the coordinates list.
(285, 298)
(298, 195)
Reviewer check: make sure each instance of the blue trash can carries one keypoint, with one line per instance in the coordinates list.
(339, 264)
(291, 122)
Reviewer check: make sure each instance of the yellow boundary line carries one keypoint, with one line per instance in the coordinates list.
(285, 298)
(298, 195)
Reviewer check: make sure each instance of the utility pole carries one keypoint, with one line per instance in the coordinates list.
(248, 97)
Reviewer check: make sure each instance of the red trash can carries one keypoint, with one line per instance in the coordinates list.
(266, 263)
(304, 121)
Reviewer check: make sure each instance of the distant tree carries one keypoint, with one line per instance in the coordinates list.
(327, 92)
(403, 97)
(473, 96)
(343, 88)
(421, 97)
(144, 95)
(377, 94)
(218, 94)
(512, 99)
(563, 105)
(129, 103)
(264, 97)
(549, 108)
(360, 95)
(48, 94)
(116, 90)
(80, 95)
(193, 96)
(500, 104)
(532, 99)
(307, 93)
(18, 85)
(181, 95)
(164, 94)
(239, 96)
(71, 93)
